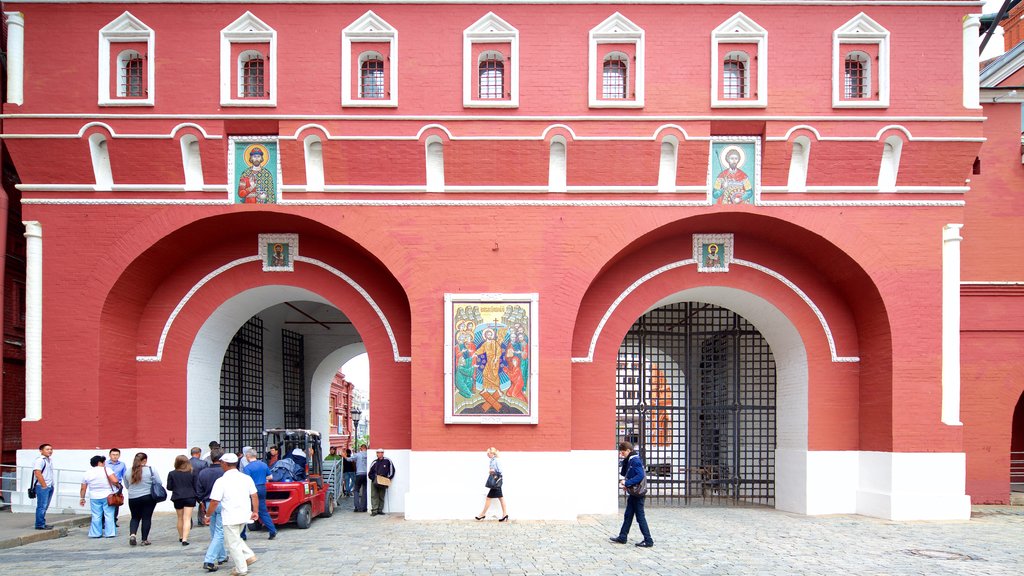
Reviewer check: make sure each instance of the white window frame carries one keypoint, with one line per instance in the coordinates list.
(739, 29)
(369, 28)
(616, 29)
(192, 162)
(490, 30)
(126, 28)
(247, 29)
(861, 30)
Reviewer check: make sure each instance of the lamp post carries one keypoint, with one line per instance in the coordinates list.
(356, 413)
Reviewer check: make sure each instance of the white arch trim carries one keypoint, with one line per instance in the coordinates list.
(320, 386)
(763, 269)
(206, 279)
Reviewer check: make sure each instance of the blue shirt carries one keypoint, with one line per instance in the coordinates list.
(118, 469)
(258, 471)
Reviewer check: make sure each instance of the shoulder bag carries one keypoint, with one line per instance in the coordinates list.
(116, 497)
(494, 481)
(156, 490)
(32, 488)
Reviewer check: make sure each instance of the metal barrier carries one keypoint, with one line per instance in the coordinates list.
(1016, 467)
(15, 480)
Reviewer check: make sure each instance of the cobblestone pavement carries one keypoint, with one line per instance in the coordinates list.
(692, 540)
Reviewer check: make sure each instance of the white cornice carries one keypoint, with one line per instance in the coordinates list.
(500, 203)
(565, 2)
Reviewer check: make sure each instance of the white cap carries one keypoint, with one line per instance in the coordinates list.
(380, 449)
(298, 452)
(229, 457)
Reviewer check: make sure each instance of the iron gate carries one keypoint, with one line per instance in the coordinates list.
(293, 376)
(241, 389)
(709, 437)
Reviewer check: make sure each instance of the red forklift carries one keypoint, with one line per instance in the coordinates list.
(301, 499)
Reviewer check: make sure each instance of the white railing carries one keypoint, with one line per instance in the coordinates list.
(15, 480)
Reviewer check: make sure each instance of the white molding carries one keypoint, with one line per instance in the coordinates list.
(247, 29)
(490, 203)
(860, 29)
(558, 164)
(490, 29)
(698, 247)
(971, 68)
(740, 29)
(126, 28)
(368, 28)
(616, 29)
(951, 241)
(964, 3)
(158, 355)
(33, 320)
(313, 149)
(192, 163)
(689, 262)
(15, 57)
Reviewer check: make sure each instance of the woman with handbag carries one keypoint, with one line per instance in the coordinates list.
(182, 484)
(99, 484)
(494, 482)
(144, 489)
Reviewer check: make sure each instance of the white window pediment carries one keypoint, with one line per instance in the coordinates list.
(126, 28)
(247, 29)
(739, 29)
(861, 31)
(616, 29)
(368, 28)
(490, 29)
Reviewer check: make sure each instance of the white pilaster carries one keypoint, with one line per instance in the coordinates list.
(951, 324)
(33, 321)
(15, 57)
(971, 74)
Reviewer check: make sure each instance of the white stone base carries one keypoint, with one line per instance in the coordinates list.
(894, 486)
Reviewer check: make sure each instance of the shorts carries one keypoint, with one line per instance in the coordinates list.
(184, 503)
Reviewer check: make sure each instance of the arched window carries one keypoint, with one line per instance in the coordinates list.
(735, 76)
(435, 164)
(191, 162)
(252, 68)
(492, 76)
(856, 76)
(371, 75)
(131, 74)
(101, 162)
(615, 77)
(557, 164)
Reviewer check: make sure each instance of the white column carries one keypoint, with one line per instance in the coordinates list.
(33, 321)
(15, 57)
(951, 324)
(972, 44)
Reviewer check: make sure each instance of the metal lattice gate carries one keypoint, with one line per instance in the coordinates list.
(293, 360)
(241, 389)
(709, 437)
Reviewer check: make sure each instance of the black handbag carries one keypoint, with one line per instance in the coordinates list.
(638, 489)
(32, 488)
(157, 490)
(493, 481)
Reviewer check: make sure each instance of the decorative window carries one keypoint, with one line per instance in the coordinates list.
(890, 166)
(860, 64)
(557, 164)
(101, 162)
(371, 76)
(314, 149)
(191, 162)
(614, 45)
(491, 81)
(798, 164)
(252, 79)
(248, 70)
(739, 64)
(490, 61)
(615, 77)
(126, 56)
(369, 63)
(435, 164)
(736, 76)
(667, 164)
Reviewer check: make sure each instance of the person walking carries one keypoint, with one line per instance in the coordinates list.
(140, 498)
(360, 485)
(635, 484)
(97, 483)
(348, 472)
(494, 482)
(42, 479)
(119, 470)
(259, 471)
(215, 552)
(380, 474)
(198, 464)
(181, 483)
(234, 495)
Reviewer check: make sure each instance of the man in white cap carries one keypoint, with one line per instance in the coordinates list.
(236, 496)
(380, 473)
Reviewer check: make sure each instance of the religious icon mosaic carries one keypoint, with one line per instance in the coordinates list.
(713, 252)
(734, 170)
(278, 252)
(491, 358)
(254, 170)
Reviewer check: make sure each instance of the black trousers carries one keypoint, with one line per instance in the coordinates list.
(360, 493)
(142, 513)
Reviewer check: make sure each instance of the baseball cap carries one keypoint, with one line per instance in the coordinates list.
(230, 458)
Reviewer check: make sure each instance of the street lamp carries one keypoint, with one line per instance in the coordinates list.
(356, 413)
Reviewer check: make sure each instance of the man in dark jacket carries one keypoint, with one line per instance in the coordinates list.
(215, 552)
(380, 473)
(635, 485)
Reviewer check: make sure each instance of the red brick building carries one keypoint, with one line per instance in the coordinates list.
(340, 409)
(729, 232)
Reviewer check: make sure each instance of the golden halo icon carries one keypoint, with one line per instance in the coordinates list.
(249, 150)
(728, 150)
